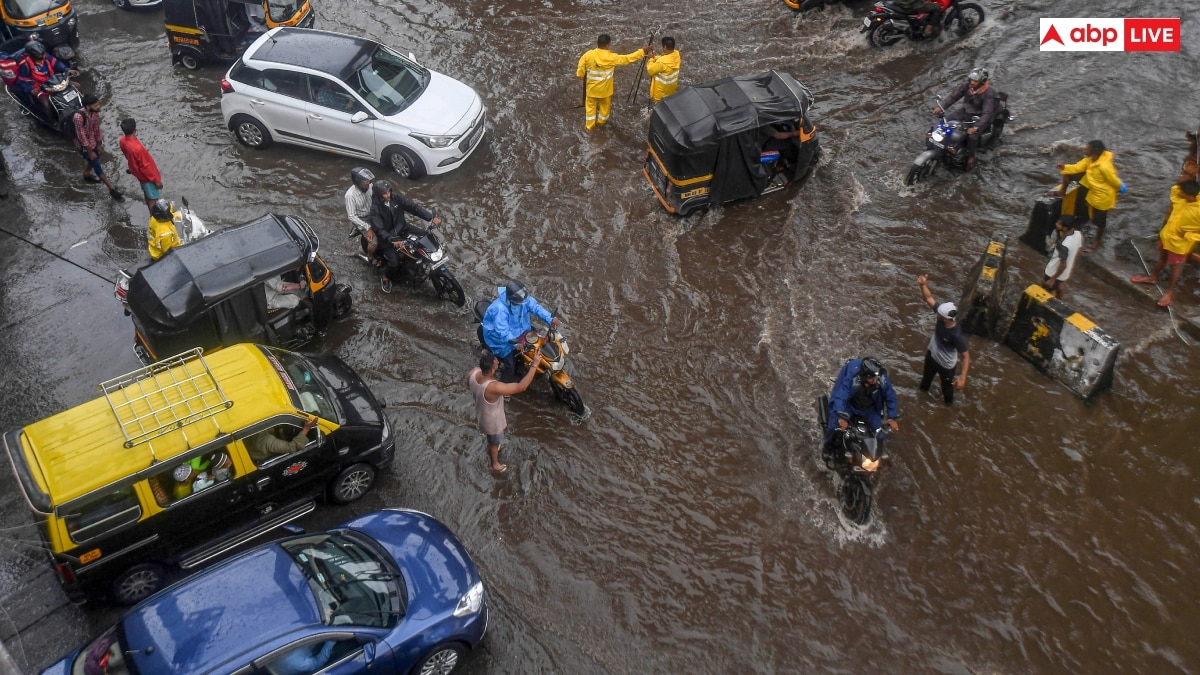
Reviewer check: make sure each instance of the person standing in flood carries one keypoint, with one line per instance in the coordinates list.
(489, 394)
(1175, 240)
(663, 71)
(141, 164)
(1102, 183)
(89, 140)
(945, 346)
(597, 65)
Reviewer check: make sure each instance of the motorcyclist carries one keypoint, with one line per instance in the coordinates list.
(933, 22)
(980, 99)
(506, 320)
(162, 236)
(390, 227)
(35, 69)
(862, 390)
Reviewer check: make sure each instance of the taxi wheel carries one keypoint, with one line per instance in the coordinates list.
(352, 483)
(138, 583)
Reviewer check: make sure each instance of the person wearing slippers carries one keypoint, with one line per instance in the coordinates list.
(89, 140)
(1176, 238)
(489, 394)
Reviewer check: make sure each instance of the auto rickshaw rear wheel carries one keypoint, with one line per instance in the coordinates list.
(190, 61)
(138, 583)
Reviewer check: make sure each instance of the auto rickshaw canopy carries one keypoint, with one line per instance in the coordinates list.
(172, 293)
(717, 129)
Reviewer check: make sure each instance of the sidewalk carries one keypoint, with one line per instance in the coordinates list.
(1118, 260)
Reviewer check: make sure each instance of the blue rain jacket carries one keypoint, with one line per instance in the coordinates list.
(502, 323)
(883, 399)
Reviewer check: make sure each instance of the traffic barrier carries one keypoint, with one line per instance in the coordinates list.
(1063, 343)
(979, 310)
(1046, 212)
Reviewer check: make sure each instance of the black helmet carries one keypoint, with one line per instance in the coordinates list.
(161, 210)
(381, 187)
(515, 291)
(869, 368)
(35, 49)
(359, 176)
(980, 75)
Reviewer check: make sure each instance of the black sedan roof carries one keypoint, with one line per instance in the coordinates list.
(333, 53)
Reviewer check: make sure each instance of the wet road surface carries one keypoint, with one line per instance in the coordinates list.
(687, 524)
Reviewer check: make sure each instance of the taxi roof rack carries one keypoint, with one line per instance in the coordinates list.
(158, 399)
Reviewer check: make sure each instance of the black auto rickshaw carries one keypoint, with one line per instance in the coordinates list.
(53, 21)
(225, 289)
(715, 143)
(204, 31)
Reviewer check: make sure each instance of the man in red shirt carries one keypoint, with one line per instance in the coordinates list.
(141, 164)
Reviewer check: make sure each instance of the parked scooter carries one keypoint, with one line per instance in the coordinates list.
(888, 24)
(946, 143)
(190, 228)
(554, 358)
(426, 261)
(856, 455)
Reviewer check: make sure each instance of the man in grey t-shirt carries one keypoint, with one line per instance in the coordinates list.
(945, 345)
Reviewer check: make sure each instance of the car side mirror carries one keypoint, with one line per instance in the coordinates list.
(292, 529)
(369, 652)
(359, 117)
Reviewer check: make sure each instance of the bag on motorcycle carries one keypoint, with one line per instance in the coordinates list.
(8, 70)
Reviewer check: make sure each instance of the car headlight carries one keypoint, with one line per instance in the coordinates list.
(434, 141)
(471, 602)
(387, 433)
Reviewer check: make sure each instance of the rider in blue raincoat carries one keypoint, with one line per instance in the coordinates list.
(506, 320)
(862, 389)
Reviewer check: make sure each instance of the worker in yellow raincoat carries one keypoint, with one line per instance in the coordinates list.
(1178, 235)
(597, 65)
(162, 236)
(1102, 183)
(663, 71)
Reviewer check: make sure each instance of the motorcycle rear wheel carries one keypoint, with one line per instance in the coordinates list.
(884, 35)
(967, 16)
(856, 499)
(448, 287)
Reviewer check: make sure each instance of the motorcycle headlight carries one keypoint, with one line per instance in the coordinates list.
(471, 601)
(938, 136)
(434, 141)
(869, 464)
(437, 255)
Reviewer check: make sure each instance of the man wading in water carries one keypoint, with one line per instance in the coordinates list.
(489, 394)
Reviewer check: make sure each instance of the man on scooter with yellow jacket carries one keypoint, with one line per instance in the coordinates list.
(506, 320)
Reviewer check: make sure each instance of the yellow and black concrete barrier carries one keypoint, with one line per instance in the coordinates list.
(979, 310)
(1063, 343)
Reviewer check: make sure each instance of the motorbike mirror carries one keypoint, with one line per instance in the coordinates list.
(359, 117)
(411, 57)
(184, 200)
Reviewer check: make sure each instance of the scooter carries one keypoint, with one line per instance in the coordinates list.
(888, 24)
(856, 454)
(426, 261)
(190, 228)
(554, 358)
(946, 143)
(64, 101)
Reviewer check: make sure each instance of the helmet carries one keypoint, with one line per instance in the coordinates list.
(516, 293)
(869, 368)
(980, 75)
(161, 210)
(359, 176)
(381, 187)
(35, 49)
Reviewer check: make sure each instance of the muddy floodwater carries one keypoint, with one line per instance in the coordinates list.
(687, 524)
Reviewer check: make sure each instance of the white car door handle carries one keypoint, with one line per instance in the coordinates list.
(315, 117)
(255, 101)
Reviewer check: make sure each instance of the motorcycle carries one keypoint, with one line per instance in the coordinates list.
(554, 359)
(888, 24)
(856, 453)
(64, 101)
(946, 143)
(190, 228)
(426, 261)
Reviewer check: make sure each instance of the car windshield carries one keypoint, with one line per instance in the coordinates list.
(106, 654)
(306, 389)
(389, 82)
(348, 579)
(283, 10)
(28, 9)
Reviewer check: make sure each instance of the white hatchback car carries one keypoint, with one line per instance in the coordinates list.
(351, 96)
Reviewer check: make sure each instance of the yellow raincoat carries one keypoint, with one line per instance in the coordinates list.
(163, 236)
(664, 75)
(1100, 178)
(1184, 220)
(598, 65)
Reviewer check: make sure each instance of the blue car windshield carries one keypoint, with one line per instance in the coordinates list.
(349, 580)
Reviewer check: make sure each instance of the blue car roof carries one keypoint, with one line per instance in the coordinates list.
(218, 614)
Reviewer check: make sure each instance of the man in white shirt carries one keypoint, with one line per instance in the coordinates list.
(358, 200)
(1063, 254)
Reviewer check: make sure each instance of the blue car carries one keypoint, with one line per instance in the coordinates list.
(389, 592)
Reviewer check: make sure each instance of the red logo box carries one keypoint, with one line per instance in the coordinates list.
(1151, 35)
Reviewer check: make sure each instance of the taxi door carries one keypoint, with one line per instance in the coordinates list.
(285, 481)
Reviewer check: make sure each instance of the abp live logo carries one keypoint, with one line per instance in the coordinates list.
(1109, 35)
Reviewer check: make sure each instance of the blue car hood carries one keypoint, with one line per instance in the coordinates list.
(220, 613)
(437, 569)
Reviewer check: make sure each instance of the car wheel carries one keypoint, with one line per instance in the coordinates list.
(404, 162)
(138, 583)
(123, 4)
(441, 661)
(190, 61)
(251, 133)
(352, 483)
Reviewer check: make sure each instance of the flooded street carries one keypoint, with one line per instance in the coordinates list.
(687, 524)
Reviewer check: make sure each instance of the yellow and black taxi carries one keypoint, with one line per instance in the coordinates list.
(53, 21)
(207, 31)
(179, 462)
(732, 139)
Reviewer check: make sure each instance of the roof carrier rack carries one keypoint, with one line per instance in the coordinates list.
(164, 396)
